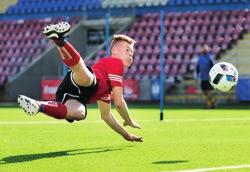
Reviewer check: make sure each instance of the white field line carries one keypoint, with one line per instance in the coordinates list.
(208, 119)
(217, 168)
(100, 121)
(29, 122)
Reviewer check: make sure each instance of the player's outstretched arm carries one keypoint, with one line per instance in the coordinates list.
(109, 118)
(122, 108)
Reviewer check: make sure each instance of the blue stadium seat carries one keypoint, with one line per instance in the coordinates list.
(26, 7)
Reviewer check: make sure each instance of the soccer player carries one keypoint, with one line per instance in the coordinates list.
(204, 64)
(83, 85)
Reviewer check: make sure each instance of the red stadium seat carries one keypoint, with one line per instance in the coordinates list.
(174, 69)
(183, 69)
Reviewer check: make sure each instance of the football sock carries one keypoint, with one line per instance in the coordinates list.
(53, 109)
(59, 42)
(68, 53)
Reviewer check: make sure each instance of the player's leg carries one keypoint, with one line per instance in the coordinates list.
(206, 99)
(50, 108)
(210, 100)
(204, 91)
(72, 109)
(75, 110)
(82, 76)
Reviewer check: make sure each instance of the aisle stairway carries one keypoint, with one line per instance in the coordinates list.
(239, 55)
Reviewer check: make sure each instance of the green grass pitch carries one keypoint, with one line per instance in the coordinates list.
(187, 139)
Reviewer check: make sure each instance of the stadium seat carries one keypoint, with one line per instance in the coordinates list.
(22, 41)
(45, 6)
(2, 80)
(183, 69)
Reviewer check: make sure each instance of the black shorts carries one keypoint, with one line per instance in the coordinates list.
(205, 85)
(68, 89)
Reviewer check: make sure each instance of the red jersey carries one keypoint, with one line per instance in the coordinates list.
(109, 73)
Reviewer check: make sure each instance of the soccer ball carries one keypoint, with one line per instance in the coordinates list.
(223, 76)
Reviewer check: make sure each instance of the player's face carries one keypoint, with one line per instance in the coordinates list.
(126, 52)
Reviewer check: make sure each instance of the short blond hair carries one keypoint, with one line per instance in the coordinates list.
(121, 37)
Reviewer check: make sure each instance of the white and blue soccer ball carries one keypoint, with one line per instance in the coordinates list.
(223, 76)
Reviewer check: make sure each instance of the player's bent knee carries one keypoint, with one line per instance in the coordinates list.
(76, 110)
(81, 115)
(78, 114)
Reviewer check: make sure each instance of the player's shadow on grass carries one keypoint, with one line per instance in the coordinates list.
(31, 157)
(170, 162)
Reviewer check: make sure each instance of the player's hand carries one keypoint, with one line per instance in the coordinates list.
(133, 138)
(131, 124)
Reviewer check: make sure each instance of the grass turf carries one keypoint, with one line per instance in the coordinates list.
(186, 139)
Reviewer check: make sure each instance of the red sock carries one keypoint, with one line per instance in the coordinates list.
(54, 109)
(68, 53)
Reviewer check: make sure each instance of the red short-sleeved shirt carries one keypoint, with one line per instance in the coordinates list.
(109, 73)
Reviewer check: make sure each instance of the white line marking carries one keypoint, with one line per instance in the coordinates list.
(201, 120)
(44, 122)
(30, 122)
(100, 121)
(208, 119)
(217, 168)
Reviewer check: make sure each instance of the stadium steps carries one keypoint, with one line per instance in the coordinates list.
(239, 55)
(4, 4)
